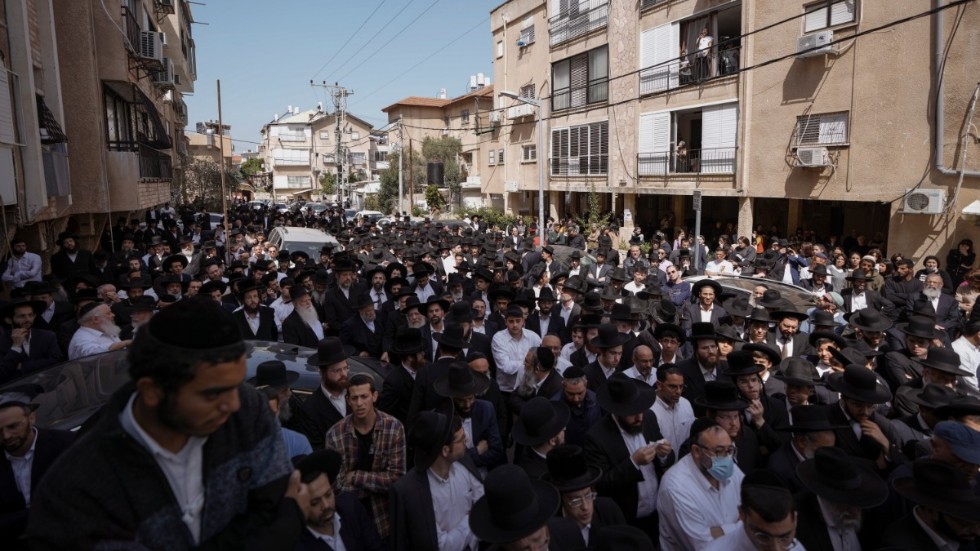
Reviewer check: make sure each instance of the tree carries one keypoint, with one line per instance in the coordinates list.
(434, 198)
(252, 167)
(388, 192)
(202, 181)
(327, 183)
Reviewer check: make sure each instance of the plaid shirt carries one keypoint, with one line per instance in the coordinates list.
(388, 466)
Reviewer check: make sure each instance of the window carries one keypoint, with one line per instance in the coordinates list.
(829, 13)
(527, 91)
(324, 134)
(358, 158)
(529, 153)
(292, 133)
(493, 157)
(464, 116)
(580, 150)
(380, 156)
(119, 121)
(6, 109)
(290, 157)
(527, 31)
(500, 157)
(500, 49)
(822, 129)
(355, 135)
(581, 80)
(299, 182)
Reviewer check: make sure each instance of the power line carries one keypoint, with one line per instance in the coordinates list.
(349, 38)
(396, 35)
(375, 35)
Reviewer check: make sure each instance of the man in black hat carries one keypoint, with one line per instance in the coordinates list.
(858, 297)
(302, 326)
(867, 433)
(424, 286)
(28, 453)
(809, 431)
(786, 336)
(325, 408)
(255, 320)
(568, 471)
(434, 310)
(483, 442)
(362, 331)
(336, 519)
(940, 366)
(946, 514)
(546, 319)
(707, 308)
(628, 447)
(540, 426)
(764, 414)
(431, 503)
(831, 514)
(25, 349)
(705, 365)
(581, 402)
(70, 260)
(187, 448)
(341, 301)
(449, 348)
(409, 359)
(55, 312)
(899, 367)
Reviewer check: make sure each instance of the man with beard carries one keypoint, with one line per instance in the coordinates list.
(325, 408)
(186, 449)
(302, 326)
(483, 443)
(947, 310)
(23, 266)
(865, 433)
(903, 287)
(140, 315)
(706, 364)
(25, 349)
(378, 294)
(435, 312)
(372, 445)
(336, 520)
(255, 320)
(396, 394)
(546, 319)
(28, 453)
(858, 296)
(69, 260)
(55, 312)
(96, 333)
(840, 487)
(630, 450)
(463, 314)
(341, 302)
(362, 332)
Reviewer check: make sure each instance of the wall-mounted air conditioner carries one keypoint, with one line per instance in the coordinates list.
(811, 45)
(812, 157)
(924, 201)
(151, 45)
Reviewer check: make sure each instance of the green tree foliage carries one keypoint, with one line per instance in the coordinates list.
(388, 192)
(596, 219)
(327, 183)
(252, 167)
(492, 217)
(434, 199)
(202, 181)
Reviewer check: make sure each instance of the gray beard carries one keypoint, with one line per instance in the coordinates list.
(110, 329)
(417, 325)
(931, 294)
(308, 315)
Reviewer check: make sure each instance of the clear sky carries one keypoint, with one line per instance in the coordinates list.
(266, 52)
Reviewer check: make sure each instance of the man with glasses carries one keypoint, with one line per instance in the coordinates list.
(699, 496)
(767, 514)
(568, 471)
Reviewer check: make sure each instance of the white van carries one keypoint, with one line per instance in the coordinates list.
(308, 240)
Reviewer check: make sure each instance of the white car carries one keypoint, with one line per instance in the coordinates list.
(370, 216)
(308, 240)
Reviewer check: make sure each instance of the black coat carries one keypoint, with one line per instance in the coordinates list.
(337, 308)
(63, 267)
(865, 447)
(605, 448)
(63, 312)
(295, 331)
(396, 393)
(354, 332)
(694, 381)
(13, 510)
(44, 351)
(267, 325)
(782, 463)
(605, 512)
(357, 530)
(413, 519)
(556, 324)
(319, 415)
(811, 530)
(801, 343)
(595, 376)
(424, 396)
(874, 300)
(533, 464)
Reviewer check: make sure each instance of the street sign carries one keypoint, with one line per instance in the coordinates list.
(697, 200)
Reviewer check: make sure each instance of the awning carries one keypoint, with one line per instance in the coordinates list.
(160, 139)
(245, 186)
(973, 208)
(50, 130)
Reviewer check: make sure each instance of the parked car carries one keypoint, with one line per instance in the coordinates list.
(369, 216)
(308, 240)
(801, 299)
(70, 392)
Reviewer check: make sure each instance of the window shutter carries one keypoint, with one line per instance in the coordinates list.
(654, 143)
(579, 80)
(559, 151)
(647, 53)
(662, 46)
(815, 19)
(6, 109)
(841, 12)
(833, 128)
(719, 125)
(8, 180)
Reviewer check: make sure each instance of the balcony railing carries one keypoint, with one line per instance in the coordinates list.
(689, 70)
(132, 28)
(650, 3)
(578, 21)
(696, 161)
(155, 165)
(596, 91)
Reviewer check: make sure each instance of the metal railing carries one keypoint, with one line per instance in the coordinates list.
(719, 160)
(650, 3)
(594, 92)
(578, 21)
(689, 70)
(155, 165)
(132, 28)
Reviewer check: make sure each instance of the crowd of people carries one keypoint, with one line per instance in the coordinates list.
(533, 397)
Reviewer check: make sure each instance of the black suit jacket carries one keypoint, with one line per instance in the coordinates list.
(63, 312)
(44, 351)
(694, 380)
(874, 300)
(811, 530)
(357, 530)
(605, 512)
(13, 511)
(906, 534)
(295, 331)
(947, 315)
(396, 393)
(63, 267)
(801, 343)
(424, 396)
(782, 463)
(604, 448)
(533, 464)
(354, 332)
(595, 376)
(692, 315)
(865, 447)
(267, 325)
(556, 324)
(318, 416)
(413, 520)
(481, 343)
(337, 308)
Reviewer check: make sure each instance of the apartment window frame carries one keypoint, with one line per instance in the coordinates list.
(464, 116)
(529, 153)
(527, 33)
(527, 91)
(828, 22)
(358, 158)
(567, 93)
(380, 156)
(119, 115)
(580, 140)
(297, 182)
(500, 156)
(355, 135)
(324, 134)
(289, 133)
(500, 49)
(492, 161)
(818, 130)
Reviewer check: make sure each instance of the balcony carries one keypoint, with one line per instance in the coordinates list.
(155, 165)
(579, 20)
(696, 161)
(644, 4)
(689, 70)
(132, 30)
(520, 111)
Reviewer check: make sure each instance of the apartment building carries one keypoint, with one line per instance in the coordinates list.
(301, 145)
(779, 114)
(91, 112)
(206, 143)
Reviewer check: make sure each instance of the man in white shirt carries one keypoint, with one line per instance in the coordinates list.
(968, 348)
(642, 368)
(510, 348)
(720, 265)
(97, 332)
(767, 516)
(335, 518)
(23, 266)
(699, 496)
(674, 412)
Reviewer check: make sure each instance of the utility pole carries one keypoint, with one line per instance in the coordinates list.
(221, 163)
(411, 179)
(401, 156)
(339, 94)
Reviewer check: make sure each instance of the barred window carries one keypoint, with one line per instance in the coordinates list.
(580, 150)
(822, 129)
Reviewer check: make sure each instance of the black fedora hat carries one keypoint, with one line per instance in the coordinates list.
(577, 284)
(919, 326)
(741, 362)
(513, 507)
(759, 314)
(823, 318)
(945, 360)
(737, 306)
(8, 309)
(621, 312)
(609, 337)
(829, 335)
(587, 321)
(663, 329)
(797, 371)
(961, 405)
(568, 470)
(547, 294)
(87, 294)
(819, 269)
(540, 420)
(428, 432)
(933, 396)
(592, 303)
(610, 293)
(460, 381)
(860, 384)
(176, 258)
(858, 275)
(66, 235)
(721, 396)
(412, 303)
(665, 312)
(809, 418)
(771, 298)
(451, 337)
(329, 351)
(621, 537)
(841, 479)
(461, 312)
(500, 292)
(780, 314)
(206, 289)
(869, 319)
(728, 332)
(941, 486)
(706, 282)
(435, 300)
(703, 331)
(618, 274)
(273, 373)
(850, 355)
(764, 348)
(622, 395)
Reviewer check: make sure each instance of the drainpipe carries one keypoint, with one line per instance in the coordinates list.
(938, 33)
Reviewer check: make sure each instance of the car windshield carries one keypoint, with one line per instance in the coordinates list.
(312, 249)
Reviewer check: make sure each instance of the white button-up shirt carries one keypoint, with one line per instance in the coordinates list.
(22, 470)
(969, 359)
(738, 540)
(88, 341)
(452, 499)
(509, 353)
(859, 301)
(338, 402)
(335, 541)
(689, 506)
(635, 374)
(21, 270)
(675, 422)
(646, 489)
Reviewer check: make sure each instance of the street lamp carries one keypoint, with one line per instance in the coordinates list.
(536, 103)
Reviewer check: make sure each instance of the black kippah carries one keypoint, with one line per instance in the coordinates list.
(196, 324)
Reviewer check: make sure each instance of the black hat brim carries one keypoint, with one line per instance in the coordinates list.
(645, 396)
(481, 522)
(478, 385)
(872, 492)
(557, 424)
(589, 478)
(880, 394)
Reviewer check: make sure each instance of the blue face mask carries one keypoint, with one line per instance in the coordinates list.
(722, 468)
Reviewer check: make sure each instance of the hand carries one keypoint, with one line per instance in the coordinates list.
(663, 449)
(18, 336)
(482, 447)
(298, 492)
(755, 409)
(349, 479)
(645, 455)
(873, 431)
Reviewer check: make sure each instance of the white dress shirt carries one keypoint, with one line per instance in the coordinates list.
(509, 353)
(335, 541)
(689, 506)
(21, 270)
(706, 314)
(785, 345)
(282, 310)
(675, 422)
(22, 470)
(859, 301)
(646, 489)
(969, 359)
(88, 341)
(633, 372)
(424, 292)
(338, 402)
(452, 499)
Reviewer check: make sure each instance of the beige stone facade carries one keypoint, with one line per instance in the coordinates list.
(830, 137)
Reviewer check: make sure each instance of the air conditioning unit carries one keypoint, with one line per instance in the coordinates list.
(151, 45)
(165, 77)
(511, 187)
(494, 116)
(812, 156)
(924, 201)
(812, 45)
